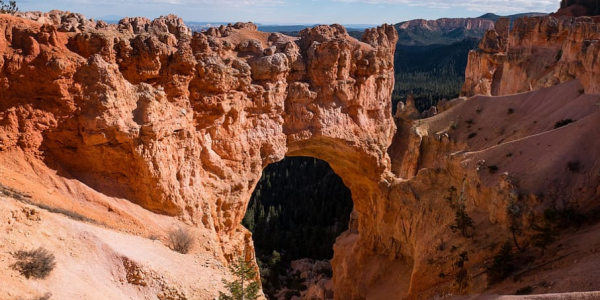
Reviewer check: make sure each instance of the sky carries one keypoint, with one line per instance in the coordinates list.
(293, 11)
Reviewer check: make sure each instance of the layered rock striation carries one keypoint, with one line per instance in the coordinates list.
(441, 31)
(538, 52)
(448, 24)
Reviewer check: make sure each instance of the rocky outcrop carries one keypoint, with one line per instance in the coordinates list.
(182, 125)
(64, 21)
(170, 24)
(538, 52)
(578, 8)
(313, 277)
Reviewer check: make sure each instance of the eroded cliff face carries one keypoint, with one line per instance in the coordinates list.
(578, 8)
(441, 31)
(538, 52)
(511, 162)
(182, 124)
(198, 117)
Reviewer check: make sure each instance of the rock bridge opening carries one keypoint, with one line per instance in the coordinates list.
(188, 137)
(297, 210)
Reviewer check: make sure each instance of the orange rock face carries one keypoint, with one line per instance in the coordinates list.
(183, 124)
(538, 52)
(186, 110)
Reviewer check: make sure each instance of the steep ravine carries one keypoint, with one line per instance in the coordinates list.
(143, 124)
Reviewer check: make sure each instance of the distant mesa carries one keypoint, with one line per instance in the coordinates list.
(495, 17)
(449, 30)
(111, 18)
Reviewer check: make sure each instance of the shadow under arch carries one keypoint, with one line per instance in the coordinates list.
(298, 209)
(360, 171)
(364, 263)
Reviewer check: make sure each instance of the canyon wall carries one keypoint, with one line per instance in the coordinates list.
(448, 24)
(538, 52)
(441, 31)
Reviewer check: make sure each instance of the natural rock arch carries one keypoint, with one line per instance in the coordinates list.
(183, 124)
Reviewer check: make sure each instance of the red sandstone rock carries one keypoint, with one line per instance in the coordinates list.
(65, 21)
(578, 8)
(183, 125)
(539, 52)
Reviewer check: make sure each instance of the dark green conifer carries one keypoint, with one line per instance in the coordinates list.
(244, 286)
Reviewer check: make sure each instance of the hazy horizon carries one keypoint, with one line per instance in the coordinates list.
(288, 12)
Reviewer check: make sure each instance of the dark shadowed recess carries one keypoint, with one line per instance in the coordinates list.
(298, 209)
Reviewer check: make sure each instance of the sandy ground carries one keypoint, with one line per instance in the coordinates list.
(118, 253)
(524, 144)
(98, 263)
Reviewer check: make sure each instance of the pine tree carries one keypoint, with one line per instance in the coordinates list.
(462, 221)
(544, 236)
(248, 220)
(461, 280)
(10, 8)
(244, 287)
(502, 265)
